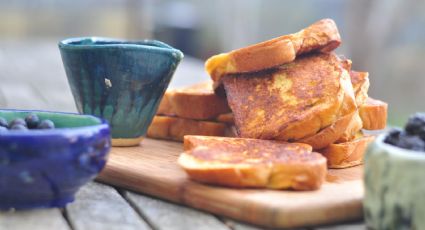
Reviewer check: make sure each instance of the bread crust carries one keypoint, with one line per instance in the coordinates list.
(360, 82)
(321, 36)
(197, 102)
(347, 154)
(373, 114)
(174, 128)
(226, 118)
(330, 134)
(244, 162)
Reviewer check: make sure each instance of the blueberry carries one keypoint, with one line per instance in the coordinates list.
(46, 124)
(3, 122)
(421, 134)
(18, 127)
(3, 129)
(415, 124)
(32, 121)
(17, 121)
(393, 136)
(411, 142)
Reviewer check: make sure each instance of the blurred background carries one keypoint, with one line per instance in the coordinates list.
(383, 37)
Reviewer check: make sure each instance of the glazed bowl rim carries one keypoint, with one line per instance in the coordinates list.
(56, 131)
(397, 151)
(145, 44)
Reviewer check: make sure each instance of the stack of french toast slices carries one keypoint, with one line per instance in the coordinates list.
(276, 114)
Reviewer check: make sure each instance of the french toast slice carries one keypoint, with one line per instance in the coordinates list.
(330, 134)
(373, 114)
(352, 129)
(197, 102)
(226, 118)
(243, 162)
(322, 36)
(347, 154)
(293, 101)
(174, 128)
(360, 82)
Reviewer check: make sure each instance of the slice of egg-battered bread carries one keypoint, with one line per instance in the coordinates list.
(293, 101)
(197, 102)
(347, 154)
(174, 128)
(322, 36)
(373, 114)
(360, 81)
(242, 162)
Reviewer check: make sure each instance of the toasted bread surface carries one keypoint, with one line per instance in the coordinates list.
(322, 36)
(243, 162)
(347, 154)
(373, 114)
(174, 128)
(197, 102)
(293, 101)
(330, 134)
(352, 128)
(226, 118)
(360, 81)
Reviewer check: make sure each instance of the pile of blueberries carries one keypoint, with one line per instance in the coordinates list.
(32, 121)
(413, 135)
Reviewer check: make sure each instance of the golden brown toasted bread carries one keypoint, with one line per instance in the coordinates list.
(373, 114)
(174, 128)
(330, 134)
(226, 118)
(347, 154)
(194, 102)
(291, 102)
(352, 129)
(242, 162)
(360, 81)
(322, 36)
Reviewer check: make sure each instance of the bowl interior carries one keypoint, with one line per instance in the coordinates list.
(61, 120)
(96, 42)
(398, 152)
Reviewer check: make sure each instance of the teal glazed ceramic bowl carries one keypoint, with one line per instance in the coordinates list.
(394, 187)
(45, 168)
(120, 81)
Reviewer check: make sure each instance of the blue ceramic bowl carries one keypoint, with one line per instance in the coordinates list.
(45, 168)
(120, 81)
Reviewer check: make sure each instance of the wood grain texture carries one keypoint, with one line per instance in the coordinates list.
(45, 219)
(234, 225)
(163, 215)
(152, 169)
(354, 226)
(99, 206)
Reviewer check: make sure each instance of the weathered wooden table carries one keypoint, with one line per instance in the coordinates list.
(32, 77)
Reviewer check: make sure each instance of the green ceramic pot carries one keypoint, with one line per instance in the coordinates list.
(120, 81)
(394, 187)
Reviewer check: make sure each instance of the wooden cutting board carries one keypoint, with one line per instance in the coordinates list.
(151, 169)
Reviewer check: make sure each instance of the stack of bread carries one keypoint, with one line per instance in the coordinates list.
(288, 96)
(193, 110)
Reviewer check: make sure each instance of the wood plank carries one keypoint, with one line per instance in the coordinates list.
(100, 206)
(163, 215)
(235, 225)
(152, 169)
(351, 226)
(44, 219)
